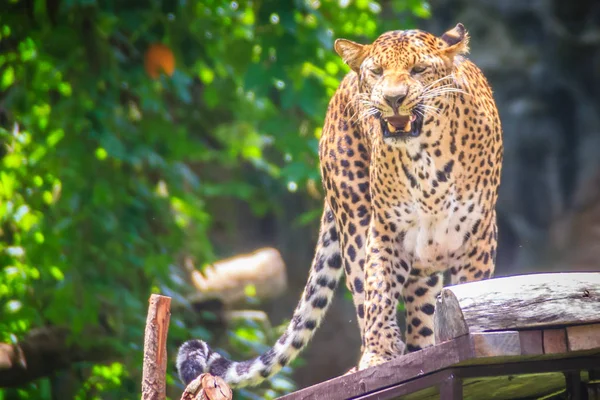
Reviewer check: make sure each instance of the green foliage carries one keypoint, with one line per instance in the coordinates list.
(105, 173)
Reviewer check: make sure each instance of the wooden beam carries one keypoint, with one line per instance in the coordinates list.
(494, 381)
(532, 324)
(532, 342)
(406, 367)
(451, 388)
(555, 341)
(496, 344)
(583, 337)
(505, 349)
(517, 303)
(430, 383)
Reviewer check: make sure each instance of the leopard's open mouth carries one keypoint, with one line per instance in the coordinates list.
(402, 126)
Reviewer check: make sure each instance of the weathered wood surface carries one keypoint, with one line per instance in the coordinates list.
(583, 337)
(407, 367)
(532, 342)
(495, 344)
(516, 303)
(529, 379)
(154, 371)
(207, 387)
(484, 354)
(533, 324)
(554, 341)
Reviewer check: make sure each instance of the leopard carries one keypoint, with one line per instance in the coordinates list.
(410, 159)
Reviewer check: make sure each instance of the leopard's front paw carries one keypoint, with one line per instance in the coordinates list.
(370, 359)
(400, 348)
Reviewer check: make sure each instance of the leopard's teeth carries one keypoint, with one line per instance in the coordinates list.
(391, 127)
(407, 126)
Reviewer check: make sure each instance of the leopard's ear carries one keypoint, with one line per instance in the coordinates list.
(351, 52)
(456, 41)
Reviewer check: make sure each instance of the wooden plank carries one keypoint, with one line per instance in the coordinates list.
(583, 337)
(406, 367)
(502, 381)
(555, 341)
(496, 344)
(519, 302)
(488, 354)
(428, 383)
(531, 366)
(531, 342)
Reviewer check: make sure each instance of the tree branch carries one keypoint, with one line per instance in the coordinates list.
(45, 351)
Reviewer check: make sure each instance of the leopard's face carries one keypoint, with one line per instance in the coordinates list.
(402, 76)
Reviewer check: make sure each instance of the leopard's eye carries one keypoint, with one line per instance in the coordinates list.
(419, 68)
(376, 70)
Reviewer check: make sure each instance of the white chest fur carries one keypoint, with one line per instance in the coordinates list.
(436, 227)
(432, 237)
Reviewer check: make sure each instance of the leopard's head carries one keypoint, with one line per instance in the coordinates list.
(404, 75)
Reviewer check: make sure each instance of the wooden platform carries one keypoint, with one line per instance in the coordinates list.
(525, 337)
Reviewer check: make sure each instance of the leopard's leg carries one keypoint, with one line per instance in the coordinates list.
(420, 293)
(345, 172)
(479, 258)
(353, 224)
(354, 260)
(383, 273)
(352, 244)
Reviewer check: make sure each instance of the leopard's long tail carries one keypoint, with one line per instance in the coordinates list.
(196, 357)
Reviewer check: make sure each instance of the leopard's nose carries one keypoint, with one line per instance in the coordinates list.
(395, 100)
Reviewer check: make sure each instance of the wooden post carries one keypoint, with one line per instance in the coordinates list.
(593, 386)
(451, 388)
(573, 385)
(155, 348)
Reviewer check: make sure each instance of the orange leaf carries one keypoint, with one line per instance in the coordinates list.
(159, 58)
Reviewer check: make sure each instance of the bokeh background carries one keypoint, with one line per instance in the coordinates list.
(141, 137)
